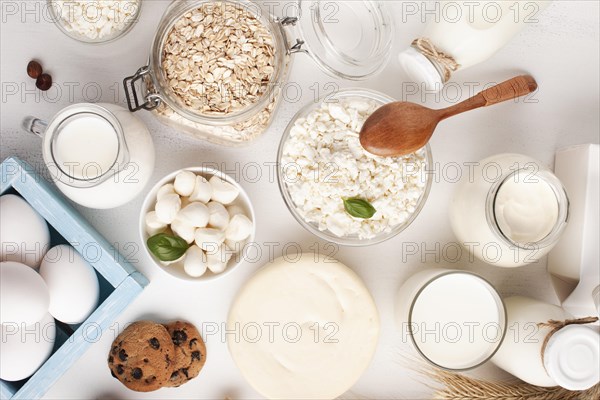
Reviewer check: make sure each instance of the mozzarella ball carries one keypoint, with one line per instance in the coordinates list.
(184, 230)
(195, 214)
(217, 259)
(235, 246)
(165, 190)
(185, 181)
(202, 190)
(223, 192)
(195, 263)
(240, 227)
(209, 239)
(168, 207)
(174, 264)
(219, 217)
(235, 210)
(153, 225)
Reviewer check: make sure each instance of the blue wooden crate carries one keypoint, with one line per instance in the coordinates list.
(120, 283)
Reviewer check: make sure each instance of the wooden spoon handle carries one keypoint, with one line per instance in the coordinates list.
(508, 90)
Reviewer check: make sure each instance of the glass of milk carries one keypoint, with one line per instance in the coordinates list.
(455, 319)
(99, 155)
(509, 210)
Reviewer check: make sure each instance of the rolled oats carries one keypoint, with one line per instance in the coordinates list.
(219, 59)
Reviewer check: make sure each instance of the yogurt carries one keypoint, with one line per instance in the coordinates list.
(526, 211)
(509, 211)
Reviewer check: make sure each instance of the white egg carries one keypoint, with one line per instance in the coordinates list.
(219, 217)
(72, 283)
(24, 297)
(223, 192)
(24, 234)
(24, 349)
(202, 191)
(185, 182)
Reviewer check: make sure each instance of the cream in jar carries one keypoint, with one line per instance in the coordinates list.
(509, 211)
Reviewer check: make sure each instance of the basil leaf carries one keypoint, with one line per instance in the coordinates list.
(359, 208)
(166, 247)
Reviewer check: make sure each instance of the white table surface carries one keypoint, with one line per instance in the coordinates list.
(561, 52)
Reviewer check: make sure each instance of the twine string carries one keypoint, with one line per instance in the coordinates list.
(446, 61)
(555, 326)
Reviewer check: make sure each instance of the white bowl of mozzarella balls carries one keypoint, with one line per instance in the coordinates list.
(197, 223)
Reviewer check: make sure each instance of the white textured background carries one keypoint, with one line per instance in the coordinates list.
(561, 52)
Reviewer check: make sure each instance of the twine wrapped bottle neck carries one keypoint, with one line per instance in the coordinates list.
(446, 63)
(556, 326)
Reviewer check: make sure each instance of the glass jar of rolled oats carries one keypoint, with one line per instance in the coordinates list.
(217, 68)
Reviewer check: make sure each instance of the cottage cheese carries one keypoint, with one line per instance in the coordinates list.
(96, 20)
(323, 162)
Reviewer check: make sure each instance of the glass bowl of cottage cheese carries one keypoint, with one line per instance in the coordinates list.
(334, 187)
(95, 21)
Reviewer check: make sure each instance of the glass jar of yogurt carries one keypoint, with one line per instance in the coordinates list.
(509, 210)
(217, 69)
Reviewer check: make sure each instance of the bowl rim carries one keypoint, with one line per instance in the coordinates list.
(151, 197)
(326, 235)
(56, 19)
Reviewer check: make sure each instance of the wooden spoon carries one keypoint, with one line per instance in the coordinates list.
(401, 128)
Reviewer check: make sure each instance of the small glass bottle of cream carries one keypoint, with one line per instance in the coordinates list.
(509, 211)
(460, 34)
(545, 346)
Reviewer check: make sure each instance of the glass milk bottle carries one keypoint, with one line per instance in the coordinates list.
(99, 155)
(454, 319)
(544, 346)
(509, 210)
(465, 33)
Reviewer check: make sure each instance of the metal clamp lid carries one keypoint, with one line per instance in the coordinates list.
(152, 100)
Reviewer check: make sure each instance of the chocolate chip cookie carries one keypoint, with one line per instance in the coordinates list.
(190, 352)
(141, 357)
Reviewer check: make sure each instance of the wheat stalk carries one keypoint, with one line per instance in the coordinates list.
(462, 387)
